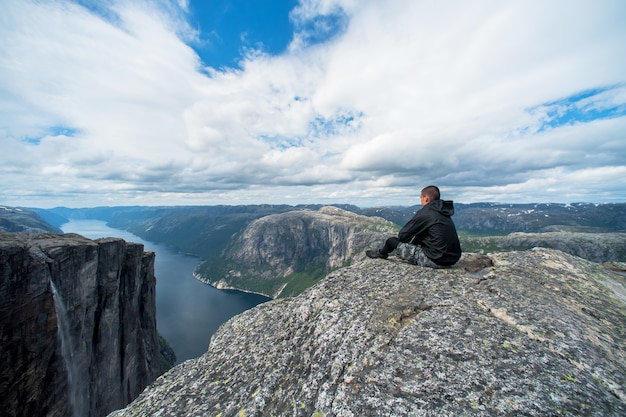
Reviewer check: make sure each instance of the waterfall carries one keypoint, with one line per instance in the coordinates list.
(77, 402)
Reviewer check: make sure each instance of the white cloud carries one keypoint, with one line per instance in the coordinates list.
(407, 93)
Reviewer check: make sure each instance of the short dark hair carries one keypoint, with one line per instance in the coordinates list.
(432, 191)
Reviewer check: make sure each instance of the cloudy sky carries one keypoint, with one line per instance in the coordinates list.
(164, 102)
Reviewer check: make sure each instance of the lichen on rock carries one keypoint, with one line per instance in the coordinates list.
(532, 333)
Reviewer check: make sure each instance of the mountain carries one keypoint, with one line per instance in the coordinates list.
(77, 324)
(490, 219)
(596, 247)
(14, 219)
(533, 333)
(299, 257)
(282, 254)
(202, 231)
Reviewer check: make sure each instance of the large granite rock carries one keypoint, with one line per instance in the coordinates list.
(77, 324)
(535, 333)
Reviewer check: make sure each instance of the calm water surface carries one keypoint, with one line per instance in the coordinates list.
(188, 311)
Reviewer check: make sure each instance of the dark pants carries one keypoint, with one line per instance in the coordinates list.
(409, 252)
(390, 245)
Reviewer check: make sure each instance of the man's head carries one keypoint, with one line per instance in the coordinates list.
(430, 193)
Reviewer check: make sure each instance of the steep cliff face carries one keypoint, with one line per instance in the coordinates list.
(77, 324)
(282, 254)
(537, 333)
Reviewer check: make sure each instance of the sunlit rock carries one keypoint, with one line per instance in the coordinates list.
(531, 333)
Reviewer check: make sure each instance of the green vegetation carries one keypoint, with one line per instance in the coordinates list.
(168, 356)
(487, 244)
(249, 279)
(300, 281)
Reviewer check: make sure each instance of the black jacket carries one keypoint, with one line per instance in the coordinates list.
(433, 229)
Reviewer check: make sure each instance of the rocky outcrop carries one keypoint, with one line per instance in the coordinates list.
(282, 254)
(77, 324)
(535, 333)
(596, 247)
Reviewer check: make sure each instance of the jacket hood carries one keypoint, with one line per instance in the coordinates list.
(445, 207)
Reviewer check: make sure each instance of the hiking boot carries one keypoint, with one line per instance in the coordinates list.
(375, 253)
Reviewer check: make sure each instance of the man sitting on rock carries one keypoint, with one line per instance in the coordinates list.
(429, 238)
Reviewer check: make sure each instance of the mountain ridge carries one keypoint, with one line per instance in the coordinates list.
(281, 254)
(593, 246)
(214, 234)
(15, 219)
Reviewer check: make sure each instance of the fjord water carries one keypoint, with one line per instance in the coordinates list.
(188, 311)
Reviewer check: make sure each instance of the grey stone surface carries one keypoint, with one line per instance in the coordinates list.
(533, 333)
(111, 351)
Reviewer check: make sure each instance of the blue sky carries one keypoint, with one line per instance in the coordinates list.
(167, 102)
(227, 28)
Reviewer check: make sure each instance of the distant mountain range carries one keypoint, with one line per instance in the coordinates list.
(490, 219)
(14, 219)
(476, 218)
(297, 245)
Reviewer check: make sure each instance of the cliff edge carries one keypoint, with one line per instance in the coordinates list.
(77, 324)
(533, 333)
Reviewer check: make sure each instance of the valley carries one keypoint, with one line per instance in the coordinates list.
(237, 252)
